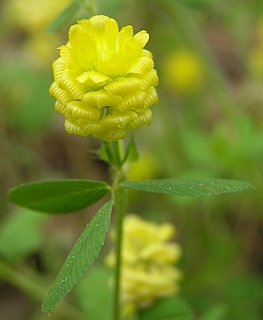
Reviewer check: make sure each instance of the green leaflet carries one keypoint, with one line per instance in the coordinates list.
(132, 153)
(58, 196)
(188, 187)
(80, 258)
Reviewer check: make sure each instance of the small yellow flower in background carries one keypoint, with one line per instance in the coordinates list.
(148, 262)
(32, 18)
(255, 57)
(145, 168)
(104, 79)
(35, 16)
(182, 71)
(256, 62)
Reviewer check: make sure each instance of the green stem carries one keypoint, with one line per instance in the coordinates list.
(118, 197)
(120, 211)
(36, 291)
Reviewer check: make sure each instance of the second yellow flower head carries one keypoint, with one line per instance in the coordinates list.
(149, 260)
(104, 80)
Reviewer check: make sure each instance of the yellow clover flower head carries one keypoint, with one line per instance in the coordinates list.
(104, 79)
(148, 262)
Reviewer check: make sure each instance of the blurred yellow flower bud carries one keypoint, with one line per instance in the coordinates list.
(255, 57)
(35, 16)
(145, 168)
(183, 71)
(148, 262)
(104, 79)
(256, 62)
(32, 19)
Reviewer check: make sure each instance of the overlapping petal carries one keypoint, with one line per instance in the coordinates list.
(104, 79)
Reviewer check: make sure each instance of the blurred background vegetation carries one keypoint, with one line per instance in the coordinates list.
(208, 123)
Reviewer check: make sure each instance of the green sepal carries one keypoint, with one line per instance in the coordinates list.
(58, 196)
(107, 154)
(188, 187)
(115, 155)
(132, 153)
(80, 258)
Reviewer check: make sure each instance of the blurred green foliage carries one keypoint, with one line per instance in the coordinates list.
(212, 130)
(101, 292)
(20, 234)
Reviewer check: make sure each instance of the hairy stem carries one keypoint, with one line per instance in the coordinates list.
(118, 197)
(120, 212)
